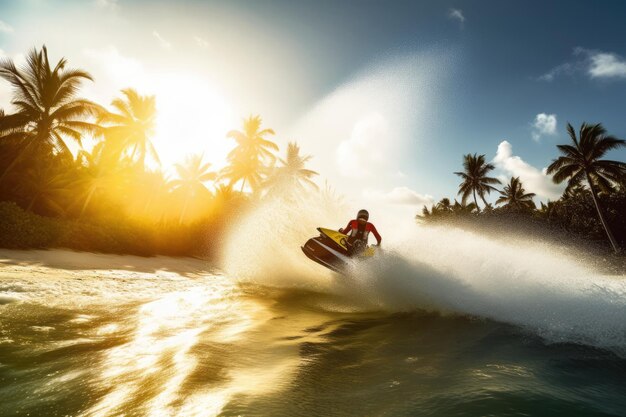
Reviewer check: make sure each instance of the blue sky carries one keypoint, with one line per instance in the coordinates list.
(387, 96)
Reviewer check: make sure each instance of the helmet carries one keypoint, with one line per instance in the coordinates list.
(364, 214)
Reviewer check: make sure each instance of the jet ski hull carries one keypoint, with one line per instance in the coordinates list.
(322, 251)
(330, 249)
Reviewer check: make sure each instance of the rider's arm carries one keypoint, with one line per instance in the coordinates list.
(347, 229)
(376, 234)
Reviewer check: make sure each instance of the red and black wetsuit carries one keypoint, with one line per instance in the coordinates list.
(357, 231)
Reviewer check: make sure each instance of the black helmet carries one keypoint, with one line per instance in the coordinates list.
(363, 214)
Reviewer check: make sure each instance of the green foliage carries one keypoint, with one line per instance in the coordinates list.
(514, 197)
(581, 163)
(48, 114)
(593, 205)
(249, 159)
(291, 176)
(578, 214)
(475, 178)
(106, 200)
(20, 229)
(575, 215)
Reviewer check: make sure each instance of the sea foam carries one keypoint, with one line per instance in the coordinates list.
(536, 286)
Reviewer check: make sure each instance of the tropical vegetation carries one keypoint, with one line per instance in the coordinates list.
(514, 196)
(115, 196)
(475, 178)
(593, 204)
(581, 163)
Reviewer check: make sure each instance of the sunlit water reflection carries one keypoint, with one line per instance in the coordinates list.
(180, 340)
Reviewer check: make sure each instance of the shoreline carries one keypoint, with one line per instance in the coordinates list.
(590, 254)
(69, 259)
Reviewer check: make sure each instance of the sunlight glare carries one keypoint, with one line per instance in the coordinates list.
(193, 117)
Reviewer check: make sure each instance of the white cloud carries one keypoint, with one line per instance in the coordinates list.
(108, 4)
(565, 68)
(456, 14)
(5, 27)
(534, 180)
(401, 196)
(593, 63)
(364, 152)
(607, 65)
(202, 43)
(162, 41)
(544, 124)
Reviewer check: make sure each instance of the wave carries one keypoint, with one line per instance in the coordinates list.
(537, 286)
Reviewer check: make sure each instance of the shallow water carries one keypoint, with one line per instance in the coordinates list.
(100, 335)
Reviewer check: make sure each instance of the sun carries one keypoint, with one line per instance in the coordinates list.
(193, 117)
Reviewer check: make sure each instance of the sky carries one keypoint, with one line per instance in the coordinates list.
(386, 95)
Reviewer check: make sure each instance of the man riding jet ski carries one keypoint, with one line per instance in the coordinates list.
(337, 250)
(358, 231)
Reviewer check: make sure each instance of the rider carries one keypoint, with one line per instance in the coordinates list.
(358, 231)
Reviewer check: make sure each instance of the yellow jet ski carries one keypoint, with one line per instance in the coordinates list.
(333, 250)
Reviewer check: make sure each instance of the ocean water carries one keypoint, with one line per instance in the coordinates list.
(445, 323)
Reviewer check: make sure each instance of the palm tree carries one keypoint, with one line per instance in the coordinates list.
(225, 194)
(425, 214)
(475, 179)
(130, 129)
(436, 210)
(292, 173)
(514, 196)
(581, 163)
(331, 200)
(46, 187)
(575, 191)
(247, 170)
(192, 175)
(47, 110)
(152, 187)
(444, 205)
(13, 126)
(463, 208)
(247, 160)
(97, 173)
(547, 210)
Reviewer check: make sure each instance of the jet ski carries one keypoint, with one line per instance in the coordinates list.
(333, 250)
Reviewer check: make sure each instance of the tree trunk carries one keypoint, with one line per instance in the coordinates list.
(476, 202)
(243, 182)
(484, 201)
(596, 201)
